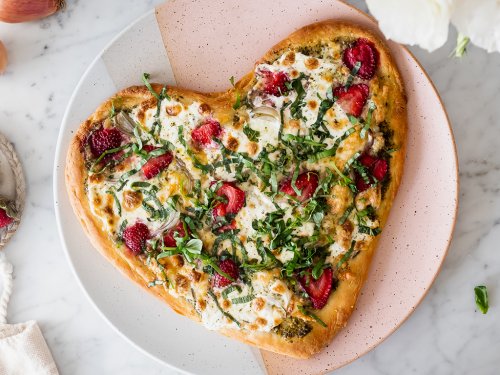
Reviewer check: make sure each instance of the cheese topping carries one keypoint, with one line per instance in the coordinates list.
(288, 220)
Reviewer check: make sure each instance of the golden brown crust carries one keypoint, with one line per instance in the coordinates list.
(336, 313)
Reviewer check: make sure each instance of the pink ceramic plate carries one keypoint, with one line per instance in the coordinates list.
(415, 241)
(208, 41)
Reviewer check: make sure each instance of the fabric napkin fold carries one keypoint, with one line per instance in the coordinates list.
(23, 350)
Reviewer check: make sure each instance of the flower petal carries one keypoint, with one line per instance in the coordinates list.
(421, 22)
(480, 21)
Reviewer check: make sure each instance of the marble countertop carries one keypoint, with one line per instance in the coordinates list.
(445, 335)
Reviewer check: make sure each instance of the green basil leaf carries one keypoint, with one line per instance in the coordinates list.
(317, 270)
(229, 290)
(346, 256)
(354, 72)
(244, 299)
(145, 79)
(117, 202)
(481, 293)
(252, 135)
(194, 246)
(225, 313)
(312, 315)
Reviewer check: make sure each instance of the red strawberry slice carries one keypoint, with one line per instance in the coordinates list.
(317, 290)
(352, 99)
(156, 164)
(274, 82)
(361, 184)
(220, 211)
(4, 218)
(177, 231)
(307, 183)
(235, 201)
(362, 51)
(367, 160)
(103, 140)
(229, 267)
(204, 133)
(135, 237)
(379, 169)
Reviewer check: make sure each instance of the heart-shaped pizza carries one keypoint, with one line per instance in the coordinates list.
(255, 211)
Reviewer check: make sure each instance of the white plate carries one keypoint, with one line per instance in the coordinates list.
(425, 206)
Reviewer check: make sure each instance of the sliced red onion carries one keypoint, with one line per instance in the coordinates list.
(124, 123)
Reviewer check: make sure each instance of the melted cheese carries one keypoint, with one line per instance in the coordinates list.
(272, 296)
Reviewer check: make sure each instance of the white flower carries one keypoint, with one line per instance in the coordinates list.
(421, 22)
(480, 21)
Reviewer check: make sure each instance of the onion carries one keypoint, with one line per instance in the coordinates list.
(170, 221)
(266, 113)
(369, 141)
(124, 123)
(188, 185)
(14, 11)
(3, 58)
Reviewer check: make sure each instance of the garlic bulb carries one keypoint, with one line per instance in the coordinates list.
(3, 58)
(14, 11)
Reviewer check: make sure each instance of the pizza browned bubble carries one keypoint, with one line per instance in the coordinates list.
(255, 211)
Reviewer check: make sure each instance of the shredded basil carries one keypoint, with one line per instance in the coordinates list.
(312, 315)
(354, 72)
(225, 313)
(139, 185)
(244, 299)
(104, 154)
(237, 103)
(346, 256)
(363, 131)
(230, 289)
(317, 270)
(298, 103)
(252, 135)
(145, 79)
(117, 202)
(345, 215)
(333, 150)
(370, 231)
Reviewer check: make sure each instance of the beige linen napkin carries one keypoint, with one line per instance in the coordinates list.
(23, 350)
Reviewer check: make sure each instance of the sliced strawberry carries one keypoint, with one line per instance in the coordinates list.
(361, 184)
(204, 133)
(156, 164)
(367, 160)
(220, 211)
(379, 169)
(4, 218)
(353, 99)
(177, 231)
(103, 140)
(135, 237)
(235, 201)
(318, 290)
(306, 183)
(274, 82)
(230, 268)
(362, 51)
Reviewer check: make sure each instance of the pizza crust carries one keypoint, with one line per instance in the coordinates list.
(340, 306)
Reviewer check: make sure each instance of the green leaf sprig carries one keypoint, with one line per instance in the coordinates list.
(481, 296)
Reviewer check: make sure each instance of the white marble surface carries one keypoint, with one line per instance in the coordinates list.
(445, 335)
